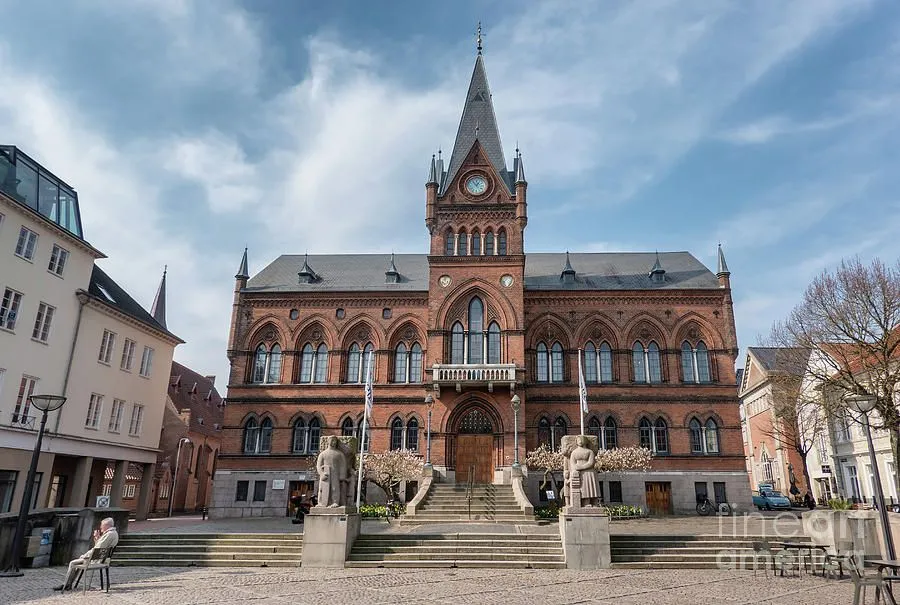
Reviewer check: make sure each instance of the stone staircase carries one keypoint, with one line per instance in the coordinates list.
(209, 550)
(688, 552)
(447, 503)
(447, 550)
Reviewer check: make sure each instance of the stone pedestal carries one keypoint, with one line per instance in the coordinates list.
(585, 538)
(328, 536)
(831, 527)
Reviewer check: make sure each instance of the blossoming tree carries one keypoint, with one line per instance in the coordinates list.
(388, 469)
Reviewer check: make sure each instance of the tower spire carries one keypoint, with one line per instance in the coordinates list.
(723, 266)
(158, 310)
(242, 272)
(432, 172)
(478, 38)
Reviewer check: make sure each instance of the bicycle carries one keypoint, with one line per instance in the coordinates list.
(706, 508)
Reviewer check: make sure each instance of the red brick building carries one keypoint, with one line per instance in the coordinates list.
(470, 323)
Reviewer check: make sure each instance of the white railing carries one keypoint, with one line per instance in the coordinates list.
(475, 372)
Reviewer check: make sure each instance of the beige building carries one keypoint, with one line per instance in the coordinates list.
(67, 328)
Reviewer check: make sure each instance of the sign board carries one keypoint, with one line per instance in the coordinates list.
(826, 469)
(102, 502)
(277, 483)
(551, 495)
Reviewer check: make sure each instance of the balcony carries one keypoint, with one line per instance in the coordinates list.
(19, 421)
(473, 375)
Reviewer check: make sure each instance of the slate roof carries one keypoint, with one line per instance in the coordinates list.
(781, 359)
(189, 390)
(478, 122)
(105, 289)
(543, 271)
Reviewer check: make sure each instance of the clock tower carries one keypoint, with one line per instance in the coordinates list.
(476, 216)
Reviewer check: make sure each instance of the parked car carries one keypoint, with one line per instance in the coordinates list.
(771, 500)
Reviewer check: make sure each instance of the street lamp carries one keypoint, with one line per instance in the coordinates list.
(181, 442)
(865, 404)
(46, 404)
(429, 404)
(516, 404)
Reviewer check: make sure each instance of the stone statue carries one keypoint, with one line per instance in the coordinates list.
(582, 478)
(333, 475)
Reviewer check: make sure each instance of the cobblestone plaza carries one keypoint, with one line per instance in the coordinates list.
(179, 586)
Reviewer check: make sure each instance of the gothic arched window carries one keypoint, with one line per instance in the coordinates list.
(476, 243)
(315, 435)
(638, 362)
(559, 430)
(590, 363)
(493, 343)
(353, 364)
(321, 364)
(408, 363)
(653, 364)
(702, 357)
(687, 362)
(449, 244)
(645, 433)
(557, 373)
(415, 363)
(544, 431)
(596, 429)
(711, 436)
(646, 362)
(501, 242)
(462, 243)
(476, 331)
(696, 436)
(457, 344)
(610, 433)
(251, 436)
(397, 434)
(543, 363)
(606, 372)
(412, 435)
(273, 373)
(301, 437)
(489, 243)
(260, 360)
(660, 436)
(401, 358)
(347, 428)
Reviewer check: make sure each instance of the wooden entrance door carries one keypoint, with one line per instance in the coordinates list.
(659, 497)
(477, 450)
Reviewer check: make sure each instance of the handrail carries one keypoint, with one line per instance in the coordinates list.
(469, 489)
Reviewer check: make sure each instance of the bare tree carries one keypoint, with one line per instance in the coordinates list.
(852, 315)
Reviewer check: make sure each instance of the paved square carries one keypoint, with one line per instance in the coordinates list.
(283, 586)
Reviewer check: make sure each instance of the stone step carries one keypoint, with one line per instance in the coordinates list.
(244, 550)
(461, 563)
(469, 556)
(200, 556)
(208, 562)
(441, 550)
(498, 541)
(699, 538)
(211, 536)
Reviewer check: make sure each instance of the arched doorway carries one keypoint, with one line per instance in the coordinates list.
(475, 447)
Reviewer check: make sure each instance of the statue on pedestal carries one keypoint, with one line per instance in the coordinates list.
(334, 477)
(582, 478)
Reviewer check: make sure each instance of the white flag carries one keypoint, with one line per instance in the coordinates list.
(582, 388)
(370, 395)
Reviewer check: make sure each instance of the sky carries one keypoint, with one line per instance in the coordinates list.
(192, 128)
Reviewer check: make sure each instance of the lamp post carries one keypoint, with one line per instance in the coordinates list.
(429, 404)
(181, 442)
(865, 404)
(516, 404)
(46, 404)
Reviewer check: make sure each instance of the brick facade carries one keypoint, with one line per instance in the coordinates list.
(530, 313)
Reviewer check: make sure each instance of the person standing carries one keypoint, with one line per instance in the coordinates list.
(105, 537)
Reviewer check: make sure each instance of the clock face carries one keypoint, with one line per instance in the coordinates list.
(476, 185)
(506, 281)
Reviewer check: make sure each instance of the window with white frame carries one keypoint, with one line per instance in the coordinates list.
(107, 344)
(704, 437)
(405, 437)
(695, 362)
(258, 436)
(107, 489)
(137, 420)
(115, 415)
(606, 432)
(146, 362)
(314, 363)
(853, 483)
(598, 363)
(646, 363)
(26, 244)
(9, 308)
(163, 490)
(42, 322)
(654, 436)
(358, 362)
(95, 408)
(766, 464)
(408, 363)
(58, 259)
(128, 490)
(127, 361)
(267, 364)
(23, 401)
(306, 436)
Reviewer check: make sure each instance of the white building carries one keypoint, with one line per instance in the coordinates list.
(67, 328)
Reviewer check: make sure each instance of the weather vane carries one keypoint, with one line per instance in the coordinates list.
(478, 37)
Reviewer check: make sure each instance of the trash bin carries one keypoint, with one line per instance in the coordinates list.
(38, 547)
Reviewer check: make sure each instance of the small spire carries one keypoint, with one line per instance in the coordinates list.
(242, 270)
(478, 38)
(158, 310)
(306, 274)
(432, 172)
(568, 273)
(520, 168)
(657, 273)
(392, 276)
(723, 266)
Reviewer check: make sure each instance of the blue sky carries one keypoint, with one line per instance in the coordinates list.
(191, 128)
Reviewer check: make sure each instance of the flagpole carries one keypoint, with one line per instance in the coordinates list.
(582, 392)
(362, 437)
